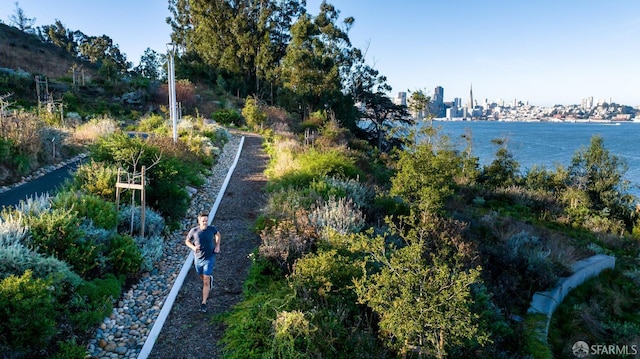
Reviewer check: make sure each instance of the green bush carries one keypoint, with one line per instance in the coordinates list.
(28, 312)
(228, 117)
(154, 124)
(251, 111)
(314, 164)
(101, 213)
(98, 178)
(123, 256)
(92, 301)
(16, 259)
(58, 233)
(170, 168)
(70, 350)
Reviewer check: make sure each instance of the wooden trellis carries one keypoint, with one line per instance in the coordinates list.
(133, 181)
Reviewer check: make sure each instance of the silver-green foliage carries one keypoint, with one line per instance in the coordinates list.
(129, 218)
(360, 194)
(341, 215)
(151, 249)
(151, 246)
(16, 259)
(12, 230)
(35, 205)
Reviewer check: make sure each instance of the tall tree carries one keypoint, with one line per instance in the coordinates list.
(62, 37)
(150, 65)
(21, 21)
(306, 70)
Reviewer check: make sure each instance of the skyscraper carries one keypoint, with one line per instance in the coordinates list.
(437, 103)
(471, 97)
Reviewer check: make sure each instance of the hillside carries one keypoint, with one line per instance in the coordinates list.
(19, 50)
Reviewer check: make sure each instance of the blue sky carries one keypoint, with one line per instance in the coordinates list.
(544, 52)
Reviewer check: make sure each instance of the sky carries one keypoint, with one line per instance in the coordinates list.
(541, 52)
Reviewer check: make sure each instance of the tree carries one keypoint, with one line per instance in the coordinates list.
(601, 174)
(21, 21)
(62, 37)
(417, 103)
(253, 114)
(150, 65)
(306, 70)
(427, 174)
(504, 170)
(423, 298)
(100, 49)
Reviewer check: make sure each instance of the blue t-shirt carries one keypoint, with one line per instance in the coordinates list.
(205, 238)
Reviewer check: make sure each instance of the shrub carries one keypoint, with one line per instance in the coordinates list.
(101, 213)
(70, 350)
(97, 178)
(58, 233)
(287, 241)
(151, 250)
(340, 215)
(154, 124)
(123, 256)
(28, 313)
(93, 300)
(326, 275)
(292, 335)
(228, 117)
(12, 230)
(354, 189)
(35, 205)
(89, 132)
(16, 259)
(252, 113)
(129, 221)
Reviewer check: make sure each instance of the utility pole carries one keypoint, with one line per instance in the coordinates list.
(171, 51)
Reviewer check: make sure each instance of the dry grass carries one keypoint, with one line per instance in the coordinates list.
(94, 129)
(19, 50)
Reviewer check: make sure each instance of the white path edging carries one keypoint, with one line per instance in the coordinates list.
(168, 303)
(547, 302)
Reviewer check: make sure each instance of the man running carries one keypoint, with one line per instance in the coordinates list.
(204, 241)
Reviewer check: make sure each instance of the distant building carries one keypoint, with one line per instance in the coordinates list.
(436, 106)
(400, 99)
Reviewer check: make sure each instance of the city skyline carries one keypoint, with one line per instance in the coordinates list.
(544, 52)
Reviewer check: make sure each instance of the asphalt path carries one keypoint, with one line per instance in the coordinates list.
(48, 183)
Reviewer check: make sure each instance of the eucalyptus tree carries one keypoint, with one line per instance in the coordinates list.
(307, 71)
(243, 40)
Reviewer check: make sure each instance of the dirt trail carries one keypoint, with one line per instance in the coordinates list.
(188, 333)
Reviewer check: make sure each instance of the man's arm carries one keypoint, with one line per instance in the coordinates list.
(217, 238)
(189, 243)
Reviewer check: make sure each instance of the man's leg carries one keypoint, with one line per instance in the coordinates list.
(206, 287)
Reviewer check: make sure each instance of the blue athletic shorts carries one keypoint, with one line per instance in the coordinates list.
(205, 265)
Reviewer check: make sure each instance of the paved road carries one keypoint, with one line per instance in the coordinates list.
(48, 183)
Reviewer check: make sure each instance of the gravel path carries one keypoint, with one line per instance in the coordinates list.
(188, 333)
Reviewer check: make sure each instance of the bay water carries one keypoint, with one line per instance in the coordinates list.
(548, 143)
